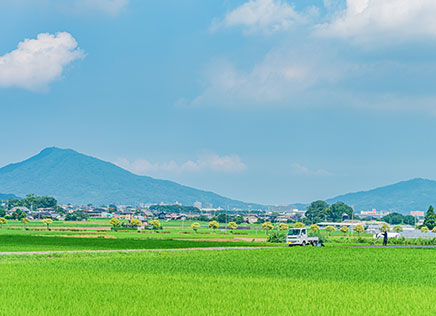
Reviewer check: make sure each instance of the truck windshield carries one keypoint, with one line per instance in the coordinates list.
(294, 232)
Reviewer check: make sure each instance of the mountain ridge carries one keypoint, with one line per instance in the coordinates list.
(72, 177)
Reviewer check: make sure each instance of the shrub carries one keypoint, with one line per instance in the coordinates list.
(330, 229)
(315, 228)
(298, 225)
(344, 229)
(424, 229)
(359, 229)
(283, 226)
(276, 237)
(195, 226)
(232, 226)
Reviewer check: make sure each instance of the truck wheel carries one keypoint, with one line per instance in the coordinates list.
(303, 244)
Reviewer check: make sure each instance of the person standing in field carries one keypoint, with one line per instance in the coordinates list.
(385, 238)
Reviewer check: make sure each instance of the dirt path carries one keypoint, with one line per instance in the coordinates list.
(129, 250)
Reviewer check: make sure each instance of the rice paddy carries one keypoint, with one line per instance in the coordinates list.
(284, 281)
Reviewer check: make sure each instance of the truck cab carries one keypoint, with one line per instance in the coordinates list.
(298, 236)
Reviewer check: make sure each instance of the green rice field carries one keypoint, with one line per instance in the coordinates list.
(282, 281)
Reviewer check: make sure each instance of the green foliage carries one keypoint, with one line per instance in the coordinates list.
(174, 209)
(299, 225)
(336, 210)
(232, 225)
(430, 218)
(155, 224)
(276, 236)
(214, 225)
(424, 229)
(24, 220)
(2, 212)
(317, 211)
(344, 229)
(76, 216)
(34, 202)
(283, 226)
(314, 228)
(398, 229)
(135, 222)
(195, 226)
(330, 229)
(385, 228)
(267, 226)
(3, 221)
(115, 222)
(223, 218)
(359, 229)
(47, 222)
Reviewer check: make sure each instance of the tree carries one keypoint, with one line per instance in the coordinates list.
(424, 229)
(330, 229)
(155, 224)
(344, 230)
(223, 218)
(433, 230)
(233, 226)
(214, 225)
(115, 222)
(335, 211)
(299, 225)
(393, 218)
(2, 212)
(25, 221)
(315, 228)
(48, 222)
(239, 219)
(398, 229)
(409, 220)
(3, 221)
(135, 222)
(195, 226)
(359, 229)
(430, 218)
(385, 228)
(267, 226)
(283, 226)
(317, 211)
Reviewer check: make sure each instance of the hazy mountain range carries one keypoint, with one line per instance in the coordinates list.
(75, 178)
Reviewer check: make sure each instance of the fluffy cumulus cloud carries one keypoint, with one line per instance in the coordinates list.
(207, 162)
(366, 20)
(261, 15)
(38, 62)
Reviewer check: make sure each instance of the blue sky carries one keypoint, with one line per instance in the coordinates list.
(268, 101)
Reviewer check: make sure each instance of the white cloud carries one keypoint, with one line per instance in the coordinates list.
(207, 162)
(371, 20)
(302, 170)
(37, 62)
(284, 74)
(261, 15)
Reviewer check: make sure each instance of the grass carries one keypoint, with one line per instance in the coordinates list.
(16, 243)
(286, 281)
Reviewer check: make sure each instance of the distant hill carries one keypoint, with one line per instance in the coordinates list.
(5, 197)
(403, 197)
(75, 178)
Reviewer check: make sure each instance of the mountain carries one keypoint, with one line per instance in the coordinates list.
(403, 197)
(75, 178)
(5, 197)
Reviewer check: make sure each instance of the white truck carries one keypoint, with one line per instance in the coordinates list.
(298, 236)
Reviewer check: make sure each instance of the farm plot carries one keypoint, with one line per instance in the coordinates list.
(295, 281)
